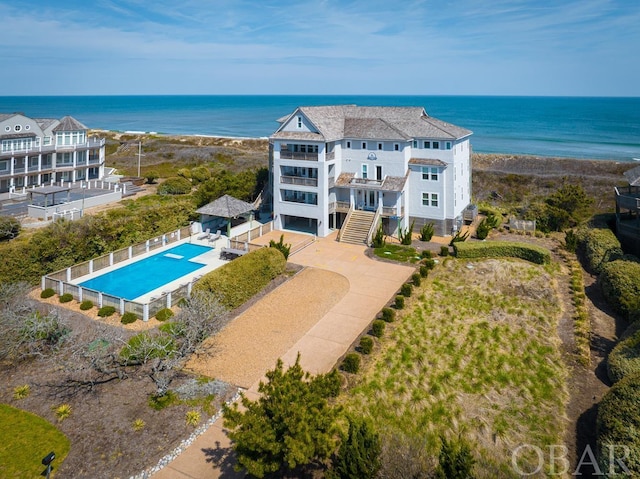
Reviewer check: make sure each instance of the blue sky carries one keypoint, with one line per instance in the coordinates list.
(408, 47)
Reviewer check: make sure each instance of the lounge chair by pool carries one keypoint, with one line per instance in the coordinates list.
(205, 234)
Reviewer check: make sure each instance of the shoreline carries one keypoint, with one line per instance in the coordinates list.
(515, 156)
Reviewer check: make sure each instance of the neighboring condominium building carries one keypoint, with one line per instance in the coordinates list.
(37, 151)
(330, 164)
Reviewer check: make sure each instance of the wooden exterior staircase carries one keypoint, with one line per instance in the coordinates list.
(356, 227)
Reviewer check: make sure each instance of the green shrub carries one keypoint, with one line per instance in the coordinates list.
(424, 271)
(281, 246)
(624, 359)
(159, 402)
(237, 281)
(9, 227)
(399, 303)
(66, 298)
(106, 311)
(388, 315)
(378, 240)
(47, 293)
(426, 232)
(86, 305)
(200, 174)
(351, 363)
(455, 460)
(406, 236)
(366, 345)
(430, 263)
(128, 318)
(406, 289)
(444, 250)
(416, 278)
(618, 424)
(459, 237)
(426, 254)
(175, 186)
(503, 249)
(570, 241)
(185, 173)
(151, 177)
(164, 314)
(483, 229)
(377, 328)
(599, 246)
(620, 285)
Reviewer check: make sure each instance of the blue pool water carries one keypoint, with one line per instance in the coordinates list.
(145, 275)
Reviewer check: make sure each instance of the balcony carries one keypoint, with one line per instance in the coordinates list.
(90, 143)
(339, 207)
(388, 211)
(298, 180)
(296, 155)
(366, 182)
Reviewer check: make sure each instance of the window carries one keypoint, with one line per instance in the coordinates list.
(396, 147)
(436, 145)
(364, 171)
(429, 173)
(299, 122)
(348, 144)
(364, 145)
(415, 143)
(17, 127)
(448, 145)
(430, 199)
(379, 146)
(4, 165)
(427, 144)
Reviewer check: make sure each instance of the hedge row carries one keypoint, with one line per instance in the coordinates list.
(237, 281)
(624, 359)
(502, 249)
(620, 284)
(618, 424)
(598, 247)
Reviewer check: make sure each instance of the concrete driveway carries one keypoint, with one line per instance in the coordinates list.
(371, 285)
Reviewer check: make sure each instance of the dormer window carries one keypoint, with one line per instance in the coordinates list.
(364, 145)
(379, 146)
(348, 144)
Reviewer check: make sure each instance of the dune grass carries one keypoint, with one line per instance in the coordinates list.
(476, 355)
(24, 440)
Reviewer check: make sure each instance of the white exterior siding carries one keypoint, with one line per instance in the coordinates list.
(390, 152)
(34, 152)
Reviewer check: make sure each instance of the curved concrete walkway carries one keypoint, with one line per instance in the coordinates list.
(371, 285)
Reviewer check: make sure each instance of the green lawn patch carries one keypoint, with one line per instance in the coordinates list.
(24, 440)
(396, 252)
(475, 354)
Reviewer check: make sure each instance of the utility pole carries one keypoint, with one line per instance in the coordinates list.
(139, 156)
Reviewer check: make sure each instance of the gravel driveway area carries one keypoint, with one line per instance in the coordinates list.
(252, 342)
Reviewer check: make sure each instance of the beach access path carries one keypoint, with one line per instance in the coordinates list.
(345, 291)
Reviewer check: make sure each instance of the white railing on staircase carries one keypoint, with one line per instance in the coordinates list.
(374, 224)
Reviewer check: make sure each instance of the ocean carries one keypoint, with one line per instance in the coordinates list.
(574, 127)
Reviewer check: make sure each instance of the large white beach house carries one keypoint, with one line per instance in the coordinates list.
(348, 166)
(38, 151)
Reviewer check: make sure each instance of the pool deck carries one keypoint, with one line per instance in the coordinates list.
(210, 259)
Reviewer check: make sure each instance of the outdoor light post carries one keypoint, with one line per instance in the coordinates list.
(47, 460)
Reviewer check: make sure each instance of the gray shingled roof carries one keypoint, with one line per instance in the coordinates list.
(226, 207)
(69, 123)
(383, 122)
(633, 176)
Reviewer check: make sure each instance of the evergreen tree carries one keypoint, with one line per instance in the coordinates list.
(292, 424)
(455, 460)
(359, 454)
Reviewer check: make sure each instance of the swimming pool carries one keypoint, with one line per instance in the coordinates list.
(150, 273)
